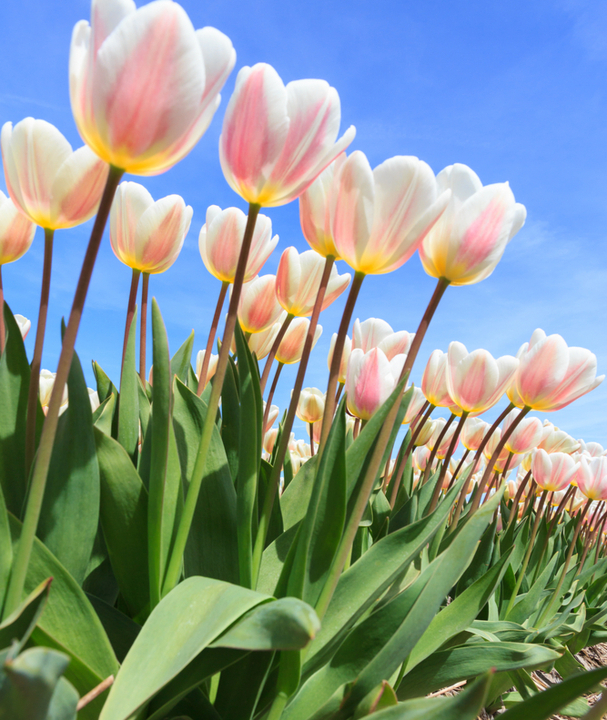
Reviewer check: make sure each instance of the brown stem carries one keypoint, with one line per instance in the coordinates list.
(130, 311)
(452, 446)
(32, 394)
(49, 429)
(356, 428)
(2, 328)
(143, 324)
(598, 538)
(517, 498)
(590, 537)
(94, 693)
(459, 467)
(428, 469)
(274, 349)
(340, 389)
(288, 424)
(202, 378)
(338, 351)
(266, 412)
(311, 429)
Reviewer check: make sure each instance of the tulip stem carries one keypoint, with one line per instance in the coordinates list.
(273, 350)
(32, 395)
(266, 412)
(338, 351)
(517, 499)
(435, 449)
(264, 520)
(459, 467)
(383, 439)
(202, 378)
(452, 445)
(49, 429)
(340, 389)
(130, 311)
(174, 566)
(143, 324)
(2, 328)
(311, 429)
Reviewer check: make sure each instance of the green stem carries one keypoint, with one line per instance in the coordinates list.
(273, 350)
(143, 324)
(32, 394)
(49, 430)
(189, 507)
(2, 328)
(202, 378)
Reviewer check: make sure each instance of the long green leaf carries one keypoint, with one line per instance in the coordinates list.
(21, 623)
(6, 550)
(180, 362)
(128, 405)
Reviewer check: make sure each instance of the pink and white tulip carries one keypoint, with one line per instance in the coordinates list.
(53, 185)
(258, 308)
(345, 356)
(417, 402)
(212, 369)
(473, 432)
(381, 216)
(144, 85)
(298, 281)
(375, 332)
(443, 448)
(555, 440)
(370, 380)
(147, 235)
(261, 343)
(551, 375)
(553, 471)
(469, 239)
(220, 241)
(434, 380)
(16, 231)
(592, 477)
(291, 347)
(272, 415)
(526, 436)
(476, 381)
(276, 140)
(503, 458)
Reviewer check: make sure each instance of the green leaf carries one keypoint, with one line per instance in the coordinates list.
(180, 362)
(14, 386)
(63, 702)
(72, 486)
(128, 404)
(69, 624)
(144, 407)
(103, 417)
(105, 387)
(230, 417)
(481, 561)
(124, 509)
(183, 624)
(28, 681)
(212, 549)
(295, 498)
(21, 623)
(450, 666)
(528, 604)
(241, 686)
(6, 550)
(120, 629)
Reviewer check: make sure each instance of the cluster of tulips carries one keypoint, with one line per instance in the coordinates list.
(168, 548)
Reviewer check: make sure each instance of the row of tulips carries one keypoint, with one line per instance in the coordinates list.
(166, 550)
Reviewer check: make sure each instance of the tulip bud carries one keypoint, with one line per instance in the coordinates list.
(526, 436)
(434, 380)
(370, 380)
(311, 405)
(291, 347)
(272, 415)
(212, 369)
(269, 440)
(16, 232)
(147, 235)
(24, 325)
(420, 457)
(473, 432)
(47, 380)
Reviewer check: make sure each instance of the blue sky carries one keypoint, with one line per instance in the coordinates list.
(515, 90)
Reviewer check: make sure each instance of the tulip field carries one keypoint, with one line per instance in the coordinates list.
(169, 548)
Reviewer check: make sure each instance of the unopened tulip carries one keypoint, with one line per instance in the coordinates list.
(476, 381)
(24, 325)
(298, 281)
(16, 231)
(311, 405)
(370, 380)
(592, 477)
(147, 235)
(555, 440)
(381, 216)
(212, 364)
(343, 366)
(469, 239)
(258, 308)
(504, 456)
(94, 398)
(552, 375)
(434, 380)
(53, 185)
(416, 403)
(269, 440)
(291, 347)
(221, 238)
(473, 432)
(315, 210)
(426, 432)
(594, 449)
(272, 415)
(553, 471)
(47, 381)
(420, 457)
(144, 85)
(261, 343)
(375, 332)
(526, 436)
(443, 448)
(276, 140)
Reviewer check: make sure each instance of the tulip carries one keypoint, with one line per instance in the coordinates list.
(291, 347)
(94, 398)
(476, 381)
(553, 471)
(315, 210)
(469, 240)
(16, 232)
(370, 380)
(343, 365)
(473, 432)
(144, 85)
(377, 333)
(24, 325)
(212, 364)
(594, 449)
(276, 140)
(46, 383)
(298, 280)
(425, 433)
(551, 375)
(258, 308)
(272, 415)
(420, 458)
(526, 436)
(311, 405)
(434, 380)
(261, 343)
(53, 185)
(147, 235)
(380, 217)
(415, 406)
(220, 242)
(592, 477)
(269, 440)
(504, 457)
(555, 440)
